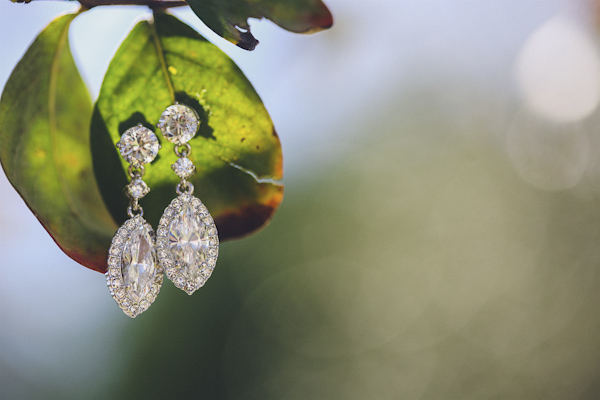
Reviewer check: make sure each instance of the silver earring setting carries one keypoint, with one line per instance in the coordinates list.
(134, 275)
(187, 238)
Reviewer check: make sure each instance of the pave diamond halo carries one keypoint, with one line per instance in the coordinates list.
(133, 277)
(187, 238)
(187, 242)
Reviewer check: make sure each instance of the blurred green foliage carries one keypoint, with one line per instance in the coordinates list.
(421, 266)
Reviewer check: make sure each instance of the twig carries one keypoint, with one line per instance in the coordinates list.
(148, 3)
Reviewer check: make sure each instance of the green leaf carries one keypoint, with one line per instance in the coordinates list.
(45, 113)
(236, 151)
(229, 18)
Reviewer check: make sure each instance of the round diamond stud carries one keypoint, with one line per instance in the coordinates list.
(178, 124)
(138, 145)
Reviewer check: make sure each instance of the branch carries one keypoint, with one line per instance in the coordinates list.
(148, 3)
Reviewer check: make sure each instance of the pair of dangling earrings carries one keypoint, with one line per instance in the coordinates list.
(186, 243)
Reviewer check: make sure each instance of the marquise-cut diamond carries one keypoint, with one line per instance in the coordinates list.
(134, 275)
(139, 263)
(189, 245)
(188, 241)
(178, 124)
(137, 189)
(138, 145)
(183, 167)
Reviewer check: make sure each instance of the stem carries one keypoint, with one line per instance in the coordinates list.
(163, 61)
(148, 3)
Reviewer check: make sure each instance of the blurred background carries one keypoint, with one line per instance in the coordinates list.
(439, 236)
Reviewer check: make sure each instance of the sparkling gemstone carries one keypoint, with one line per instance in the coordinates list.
(154, 289)
(179, 281)
(139, 263)
(134, 275)
(183, 167)
(206, 272)
(138, 145)
(185, 243)
(178, 123)
(188, 241)
(172, 273)
(144, 305)
(137, 189)
(116, 283)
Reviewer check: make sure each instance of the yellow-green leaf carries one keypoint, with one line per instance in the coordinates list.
(45, 113)
(236, 151)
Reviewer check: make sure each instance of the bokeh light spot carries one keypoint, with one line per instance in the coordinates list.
(558, 71)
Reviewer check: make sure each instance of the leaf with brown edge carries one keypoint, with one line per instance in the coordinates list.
(45, 111)
(236, 151)
(229, 18)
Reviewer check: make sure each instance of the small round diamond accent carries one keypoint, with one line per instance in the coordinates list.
(171, 273)
(137, 189)
(183, 168)
(144, 304)
(138, 145)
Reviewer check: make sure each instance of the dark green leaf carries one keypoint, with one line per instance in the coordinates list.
(45, 112)
(236, 151)
(229, 18)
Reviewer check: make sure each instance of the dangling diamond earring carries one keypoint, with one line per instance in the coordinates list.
(187, 240)
(134, 276)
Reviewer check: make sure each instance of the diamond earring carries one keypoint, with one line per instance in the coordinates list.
(134, 275)
(187, 239)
